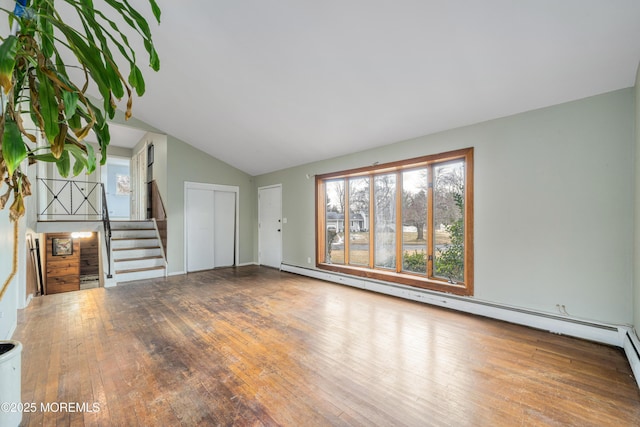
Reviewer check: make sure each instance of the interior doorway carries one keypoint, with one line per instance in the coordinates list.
(116, 176)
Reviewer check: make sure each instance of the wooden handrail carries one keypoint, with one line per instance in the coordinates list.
(157, 205)
(106, 222)
(159, 213)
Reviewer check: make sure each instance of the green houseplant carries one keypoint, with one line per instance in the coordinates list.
(36, 62)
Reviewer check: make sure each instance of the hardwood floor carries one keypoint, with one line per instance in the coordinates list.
(255, 346)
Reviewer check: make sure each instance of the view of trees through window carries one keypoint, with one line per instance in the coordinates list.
(448, 194)
(410, 220)
(359, 188)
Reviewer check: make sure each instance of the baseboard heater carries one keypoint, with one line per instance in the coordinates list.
(616, 335)
(594, 331)
(632, 350)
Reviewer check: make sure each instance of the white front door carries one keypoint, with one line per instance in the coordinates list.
(270, 226)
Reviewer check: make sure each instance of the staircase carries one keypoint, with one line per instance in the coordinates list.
(136, 251)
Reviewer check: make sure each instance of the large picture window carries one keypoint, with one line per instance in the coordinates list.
(408, 222)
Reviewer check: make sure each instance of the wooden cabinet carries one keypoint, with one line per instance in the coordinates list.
(63, 268)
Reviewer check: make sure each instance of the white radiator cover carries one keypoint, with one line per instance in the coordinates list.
(617, 335)
(585, 329)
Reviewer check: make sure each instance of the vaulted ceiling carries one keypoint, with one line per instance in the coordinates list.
(265, 85)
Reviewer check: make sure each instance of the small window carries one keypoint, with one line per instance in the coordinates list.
(407, 222)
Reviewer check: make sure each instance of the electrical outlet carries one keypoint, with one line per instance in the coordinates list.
(308, 260)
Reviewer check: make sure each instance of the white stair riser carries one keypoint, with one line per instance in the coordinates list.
(140, 275)
(136, 253)
(136, 235)
(117, 234)
(134, 243)
(138, 263)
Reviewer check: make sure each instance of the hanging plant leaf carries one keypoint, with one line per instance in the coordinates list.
(8, 50)
(154, 59)
(156, 10)
(70, 100)
(25, 185)
(58, 145)
(34, 78)
(76, 152)
(64, 164)
(46, 28)
(5, 197)
(13, 148)
(3, 169)
(136, 80)
(48, 109)
(91, 159)
(23, 131)
(91, 58)
(78, 166)
(17, 208)
(44, 157)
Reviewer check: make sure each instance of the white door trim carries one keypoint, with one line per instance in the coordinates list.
(211, 187)
(267, 187)
(138, 169)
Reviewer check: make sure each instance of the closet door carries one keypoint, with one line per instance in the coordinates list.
(210, 224)
(224, 228)
(199, 222)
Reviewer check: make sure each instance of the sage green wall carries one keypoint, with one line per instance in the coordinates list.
(553, 205)
(186, 163)
(636, 240)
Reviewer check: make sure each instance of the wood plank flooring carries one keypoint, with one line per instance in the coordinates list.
(253, 346)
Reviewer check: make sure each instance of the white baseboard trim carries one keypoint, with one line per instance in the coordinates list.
(244, 264)
(632, 350)
(585, 329)
(176, 273)
(27, 301)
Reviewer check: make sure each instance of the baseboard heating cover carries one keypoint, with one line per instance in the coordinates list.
(589, 330)
(632, 350)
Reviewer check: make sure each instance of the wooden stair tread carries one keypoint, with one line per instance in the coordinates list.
(135, 270)
(138, 259)
(133, 238)
(135, 248)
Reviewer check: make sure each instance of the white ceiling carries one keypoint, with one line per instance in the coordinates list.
(266, 85)
(121, 136)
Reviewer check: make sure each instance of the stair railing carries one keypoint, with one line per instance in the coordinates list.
(158, 212)
(107, 229)
(68, 199)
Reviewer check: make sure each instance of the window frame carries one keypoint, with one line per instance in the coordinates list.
(418, 280)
